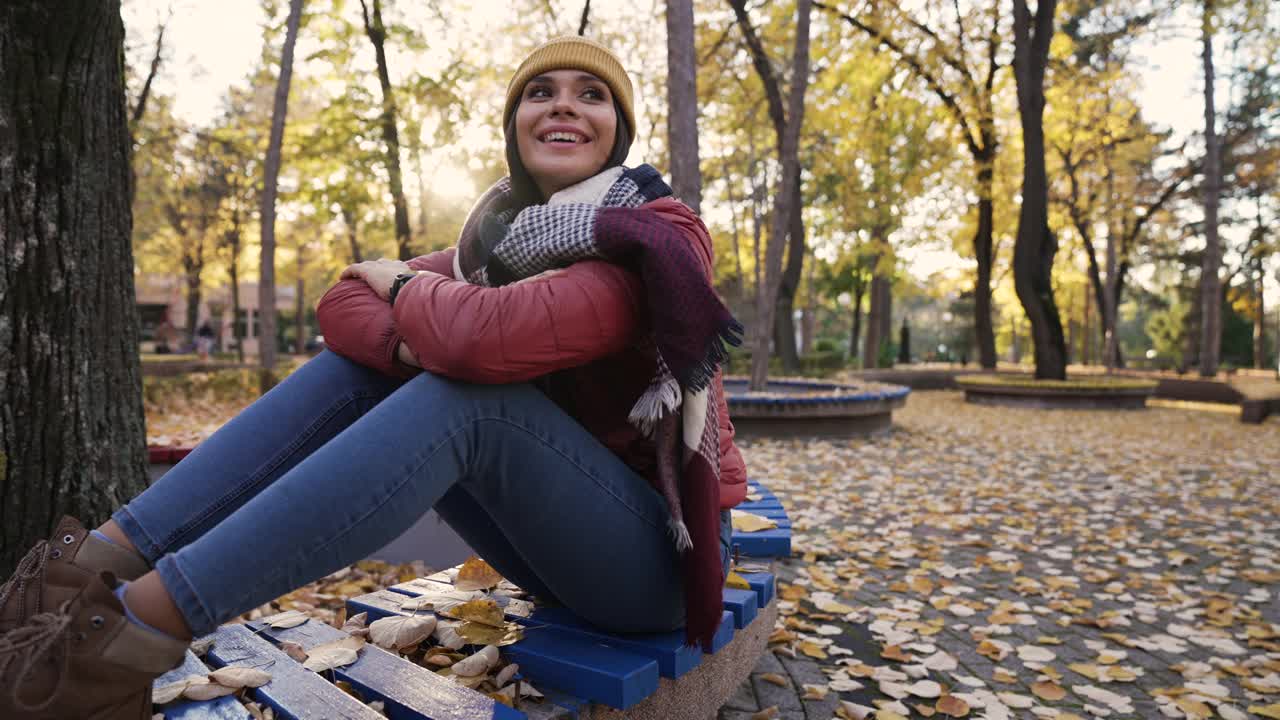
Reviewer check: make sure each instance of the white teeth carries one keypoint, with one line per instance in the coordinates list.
(552, 136)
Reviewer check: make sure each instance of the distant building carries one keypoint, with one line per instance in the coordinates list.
(162, 310)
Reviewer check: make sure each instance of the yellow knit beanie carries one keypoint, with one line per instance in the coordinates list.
(571, 52)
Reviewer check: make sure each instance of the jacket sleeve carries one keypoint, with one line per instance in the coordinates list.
(556, 320)
(358, 325)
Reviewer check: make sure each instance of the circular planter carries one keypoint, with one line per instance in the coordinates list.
(807, 408)
(1083, 394)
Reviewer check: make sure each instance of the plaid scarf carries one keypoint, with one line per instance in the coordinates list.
(607, 217)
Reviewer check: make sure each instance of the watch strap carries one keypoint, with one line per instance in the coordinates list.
(401, 280)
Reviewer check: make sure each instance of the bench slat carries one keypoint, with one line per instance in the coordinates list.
(223, 708)
(409, 691)
(762, 584)
(766, 543)
(570, 660)
(674, 658)
(742, 603)
(295, 693)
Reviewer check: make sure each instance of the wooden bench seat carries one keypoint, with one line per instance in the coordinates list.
(583, 671)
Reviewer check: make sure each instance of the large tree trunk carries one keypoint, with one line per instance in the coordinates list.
(856, 331)
(1259, 317)
(193, 269)
(271, 171)
(233, 269)
(72, 438)
(1210, 293)
(682, 104)
(349, 220)
(737, 241)
(1036, 245)
(784, 323)
(766, 297)
(299, 309)
(390, 134)
(984, 252)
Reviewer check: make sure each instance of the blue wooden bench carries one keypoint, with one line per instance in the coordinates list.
(582, 671)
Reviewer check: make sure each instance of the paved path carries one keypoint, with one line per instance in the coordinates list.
(1054, 564)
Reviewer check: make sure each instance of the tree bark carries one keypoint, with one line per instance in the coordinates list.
(271, 173)
(349, 220)
(784, 325)
(233, 269)
(737, 240)
(859, 288)
(390, 134)
(72, 435)
(299, 311)
(984, 253)
(193, 268)
(1036, 245)
(682, 104)
(1259, 287)
(1210, 292)
(586, 16)
(783, 206)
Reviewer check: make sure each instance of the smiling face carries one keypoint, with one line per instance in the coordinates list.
(565, 128)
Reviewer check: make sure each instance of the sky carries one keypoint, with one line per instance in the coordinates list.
(216, 44)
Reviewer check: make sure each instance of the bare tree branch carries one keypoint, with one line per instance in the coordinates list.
(140, 107)
(949, 100)
(586, 13)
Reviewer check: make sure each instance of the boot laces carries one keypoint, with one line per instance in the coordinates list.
(45, 636)
(30, 572)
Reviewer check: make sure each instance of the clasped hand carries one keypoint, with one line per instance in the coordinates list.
(378, 274)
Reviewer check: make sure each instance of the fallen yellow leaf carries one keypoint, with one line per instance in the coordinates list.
(746, 522)
(476, 574)
(1048, 691)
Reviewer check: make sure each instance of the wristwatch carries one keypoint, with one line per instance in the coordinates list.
(400, 282)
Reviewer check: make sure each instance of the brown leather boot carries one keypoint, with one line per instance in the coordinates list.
(55, 569)
(84, 661)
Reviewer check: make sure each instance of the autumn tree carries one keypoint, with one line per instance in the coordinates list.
(377, 33)
(682, 104)
(958, 65)
(786, 117)
(1036, 245)
(71, 423)
(271, 173)
(785, 205)
(867, 174)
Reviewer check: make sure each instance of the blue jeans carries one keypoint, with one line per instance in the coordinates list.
(338, 460)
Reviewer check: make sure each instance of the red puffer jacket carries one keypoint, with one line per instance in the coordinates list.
(573, 331)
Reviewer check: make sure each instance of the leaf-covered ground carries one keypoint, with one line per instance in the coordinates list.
(994, 562)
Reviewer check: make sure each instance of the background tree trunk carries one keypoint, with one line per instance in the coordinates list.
(1210, 293)
(780, 316)
(984, 252)
(682, 105)
(233, 269)
(72, 438)
(783, 207)
(1036, 245)
(856, 331)
(390, 134)
(1259, 317)
(349, 220)
(267, 281)
(784, 323)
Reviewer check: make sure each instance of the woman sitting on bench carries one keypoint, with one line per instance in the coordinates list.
(550, 387)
